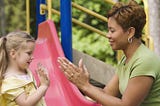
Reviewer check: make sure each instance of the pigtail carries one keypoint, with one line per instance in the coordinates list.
(3, 58)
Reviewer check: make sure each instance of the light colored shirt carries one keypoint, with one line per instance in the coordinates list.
(14, 85)
(143, 63)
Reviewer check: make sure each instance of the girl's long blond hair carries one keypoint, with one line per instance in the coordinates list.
(14, 40)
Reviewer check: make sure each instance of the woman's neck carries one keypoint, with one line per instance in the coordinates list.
(131, 49)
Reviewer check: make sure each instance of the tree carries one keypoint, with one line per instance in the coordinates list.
(2, 18)
(90, 42)
(154, 23)
(15, 15)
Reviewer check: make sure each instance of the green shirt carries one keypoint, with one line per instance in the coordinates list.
(143, 62)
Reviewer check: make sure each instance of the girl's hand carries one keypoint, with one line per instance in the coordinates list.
(31, 100)
(76, 74)
(43, 75)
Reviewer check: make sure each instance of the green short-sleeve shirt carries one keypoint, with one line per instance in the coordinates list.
(143, 63)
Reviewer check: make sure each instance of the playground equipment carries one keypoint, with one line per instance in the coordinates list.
(48, 48)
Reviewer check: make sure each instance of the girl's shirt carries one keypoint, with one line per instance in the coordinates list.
(143, 63)
(14, 85)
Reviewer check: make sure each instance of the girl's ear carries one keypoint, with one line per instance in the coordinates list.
(131, 32)
(12, 53)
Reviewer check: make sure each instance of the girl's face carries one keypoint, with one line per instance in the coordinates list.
(118, 38)
(24, 56)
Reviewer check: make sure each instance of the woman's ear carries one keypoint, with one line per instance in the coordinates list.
(131, 32)
(12, 53)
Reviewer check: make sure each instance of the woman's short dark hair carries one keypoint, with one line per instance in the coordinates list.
(129, 15)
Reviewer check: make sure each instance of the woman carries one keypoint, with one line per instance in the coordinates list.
(137, 78)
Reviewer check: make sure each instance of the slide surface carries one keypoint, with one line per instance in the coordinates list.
(48, 48)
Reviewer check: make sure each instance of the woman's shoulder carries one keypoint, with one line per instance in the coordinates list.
(146, 62)
(146, 55)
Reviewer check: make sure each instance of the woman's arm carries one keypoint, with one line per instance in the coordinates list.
(112, 88)
(136, 91)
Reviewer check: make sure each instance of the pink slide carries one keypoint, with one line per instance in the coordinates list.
(48, 48)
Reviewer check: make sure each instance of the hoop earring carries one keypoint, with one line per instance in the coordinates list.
(130, 40)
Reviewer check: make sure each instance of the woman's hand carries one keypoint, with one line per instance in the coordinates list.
(43, 75)
(77, 75)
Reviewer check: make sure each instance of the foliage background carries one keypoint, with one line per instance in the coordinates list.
(83, 40)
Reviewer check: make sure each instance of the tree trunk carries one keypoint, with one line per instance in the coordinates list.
(154, 23)
(2, 18)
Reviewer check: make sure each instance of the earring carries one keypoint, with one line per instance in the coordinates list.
(130, 40)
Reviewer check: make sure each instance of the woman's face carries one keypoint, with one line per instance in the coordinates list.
(118, 38)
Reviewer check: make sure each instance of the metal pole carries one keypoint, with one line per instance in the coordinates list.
(39, 17)
(66, 27)
(49, 4)
(27, 16)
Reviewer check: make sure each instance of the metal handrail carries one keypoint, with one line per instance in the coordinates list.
(109, 1)
(44, 7)
(89, 12)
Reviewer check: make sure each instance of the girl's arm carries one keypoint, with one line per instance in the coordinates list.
(33, 99)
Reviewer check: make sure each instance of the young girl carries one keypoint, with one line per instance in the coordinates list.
(17, 86)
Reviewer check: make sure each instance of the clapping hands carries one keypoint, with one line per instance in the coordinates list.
(76, 74)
